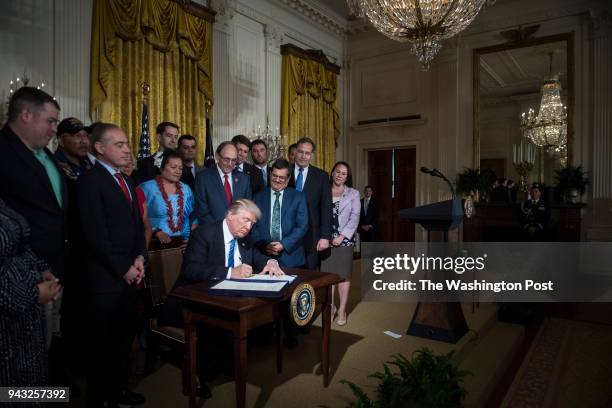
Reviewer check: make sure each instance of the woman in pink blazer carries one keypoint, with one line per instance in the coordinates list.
(338, 259)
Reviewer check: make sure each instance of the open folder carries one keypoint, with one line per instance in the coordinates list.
(256, 286)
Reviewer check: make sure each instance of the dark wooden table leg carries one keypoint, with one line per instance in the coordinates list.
(190, 356)
(326, 321)
(279, 346)
(240, 367)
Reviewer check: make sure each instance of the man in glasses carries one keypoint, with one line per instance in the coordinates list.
(284, 219)
(216, 188)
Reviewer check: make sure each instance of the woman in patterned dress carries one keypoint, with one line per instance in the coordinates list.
(26, 284)
(338, 259)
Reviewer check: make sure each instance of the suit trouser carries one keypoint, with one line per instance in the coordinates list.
(312, 259)
(113, 327)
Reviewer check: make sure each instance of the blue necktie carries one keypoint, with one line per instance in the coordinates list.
(230, 256)
(276, 219)
(300, 180)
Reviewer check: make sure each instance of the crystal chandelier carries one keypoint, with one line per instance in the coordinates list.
(549, 128)
(274, 140)
(425, 23)
(355, 9)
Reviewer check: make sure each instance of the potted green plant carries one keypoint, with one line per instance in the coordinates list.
(571, 181)
(424, 381)
(473, 182)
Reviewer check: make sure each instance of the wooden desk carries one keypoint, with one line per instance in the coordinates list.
(239, 315)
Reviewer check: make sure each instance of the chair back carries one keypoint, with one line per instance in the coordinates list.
(164, 269)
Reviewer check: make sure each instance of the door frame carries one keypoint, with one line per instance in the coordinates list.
(377, 191)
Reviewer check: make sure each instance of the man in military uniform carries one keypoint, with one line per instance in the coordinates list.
(536, 215)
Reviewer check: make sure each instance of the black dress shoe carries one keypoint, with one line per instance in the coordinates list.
(203, 391)
(128, 397)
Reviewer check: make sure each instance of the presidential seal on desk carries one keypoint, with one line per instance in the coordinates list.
(303, 302)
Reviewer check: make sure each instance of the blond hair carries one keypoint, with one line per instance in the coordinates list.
(244, 205)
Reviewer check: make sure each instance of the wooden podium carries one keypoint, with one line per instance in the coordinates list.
(443, 321)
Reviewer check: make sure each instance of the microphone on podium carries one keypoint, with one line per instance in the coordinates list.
(437, 173)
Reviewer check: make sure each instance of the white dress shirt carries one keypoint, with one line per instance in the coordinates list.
(296, 172)
(227, 239)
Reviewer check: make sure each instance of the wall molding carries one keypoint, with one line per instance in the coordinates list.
(288, 31)
(316, 14)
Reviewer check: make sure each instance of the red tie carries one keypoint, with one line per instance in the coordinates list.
(228, 190)
(124, 187)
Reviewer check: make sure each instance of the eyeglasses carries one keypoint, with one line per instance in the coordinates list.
(227, 160)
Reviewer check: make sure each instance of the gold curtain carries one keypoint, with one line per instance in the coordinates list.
(158, 42)
(309, 106)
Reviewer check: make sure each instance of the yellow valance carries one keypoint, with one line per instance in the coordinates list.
(163, 42)
(309, 101)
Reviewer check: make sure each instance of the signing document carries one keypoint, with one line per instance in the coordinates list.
(278, 278)
(258, 285)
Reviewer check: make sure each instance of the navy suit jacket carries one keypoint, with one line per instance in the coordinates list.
(319, 200)
(294, 224)
(210, 202)
(255, 177)
(204, 260)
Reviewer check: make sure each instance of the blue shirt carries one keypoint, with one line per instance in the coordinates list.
(156, 208)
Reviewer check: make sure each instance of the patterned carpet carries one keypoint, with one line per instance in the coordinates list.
(568, 365)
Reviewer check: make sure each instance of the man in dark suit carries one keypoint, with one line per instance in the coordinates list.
(218, 251)
(284, 219)
(368, 221)
(243, 146)
(314, 183)
(115, 250)
(167, 136)
(259, 154)
(187, 146)
(217, 187)
(32, 184)
(224, 249)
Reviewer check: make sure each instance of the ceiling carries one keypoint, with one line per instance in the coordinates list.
(520, 71)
